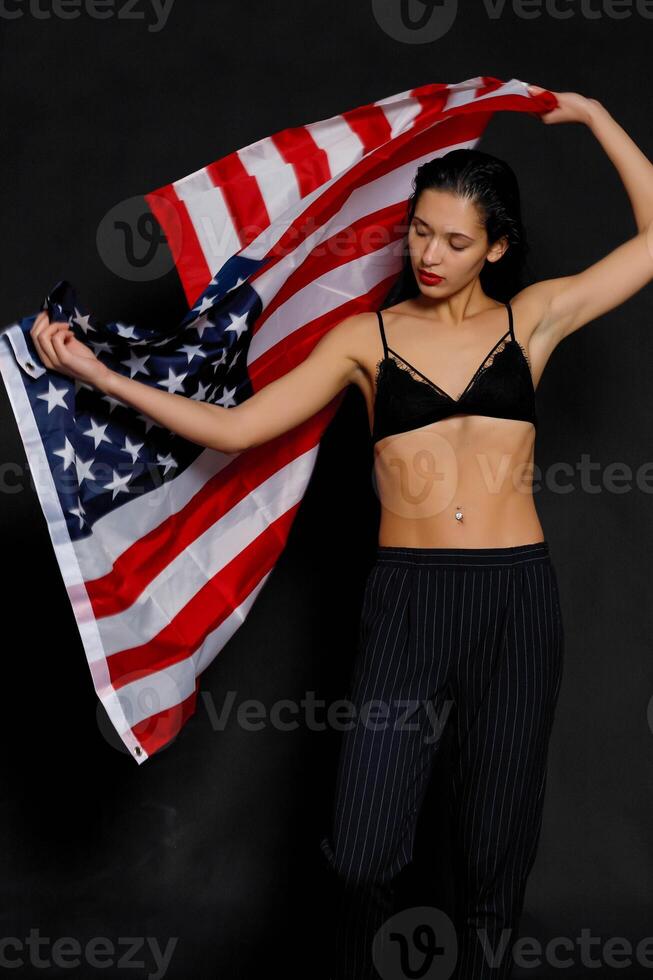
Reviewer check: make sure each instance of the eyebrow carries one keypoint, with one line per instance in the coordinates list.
(417, 217)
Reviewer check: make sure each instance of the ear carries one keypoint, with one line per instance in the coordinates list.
(498, 249)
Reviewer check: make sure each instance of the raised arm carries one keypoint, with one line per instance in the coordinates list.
(569, 302)
(274, 409)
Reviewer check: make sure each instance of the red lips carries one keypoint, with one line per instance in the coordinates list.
(429, 278)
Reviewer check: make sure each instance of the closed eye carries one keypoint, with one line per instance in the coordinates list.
(456, 248)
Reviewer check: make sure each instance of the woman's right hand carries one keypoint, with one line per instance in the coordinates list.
(60, 351)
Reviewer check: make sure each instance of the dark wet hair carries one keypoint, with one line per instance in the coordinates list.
(492, 185)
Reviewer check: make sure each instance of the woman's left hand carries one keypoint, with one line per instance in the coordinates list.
(571, 107)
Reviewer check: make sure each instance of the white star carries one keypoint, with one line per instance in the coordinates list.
(174, 382)
(67, 453)
(238, 323)
(83, 468)
(233, 361)
(132, 448)
(136, 364)
(166, 461)
(118, 484)
(200, 326)
(55, 397)
(190, 351)
(227, 399)
(125, 331)
(223, 358)
(83, 321)
(96, 433)
(200, 394)
(236, 284)
(205, 305)
(78, 511)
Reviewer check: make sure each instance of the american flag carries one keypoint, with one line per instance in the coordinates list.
(163, 545)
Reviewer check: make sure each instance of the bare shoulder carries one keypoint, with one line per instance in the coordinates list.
(357, 336)
(531, 305)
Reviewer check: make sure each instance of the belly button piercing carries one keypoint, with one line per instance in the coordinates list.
(459, 513)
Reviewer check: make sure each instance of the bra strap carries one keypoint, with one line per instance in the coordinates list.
(385, 343)
(512, 332)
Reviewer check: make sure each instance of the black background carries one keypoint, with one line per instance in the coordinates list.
(215, 839)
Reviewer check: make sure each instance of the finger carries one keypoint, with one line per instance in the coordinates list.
(45, 339)
(59, 343)
(39, 348)
(39, 323)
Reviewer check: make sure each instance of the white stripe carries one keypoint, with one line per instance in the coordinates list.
(401, 114)
(463, 93)
(214, 227)
(469, 93)
(192, 185)
(29, 364)
(116, 531)
(167, 594)
(343, 147)
(276, 179)
(163, 689)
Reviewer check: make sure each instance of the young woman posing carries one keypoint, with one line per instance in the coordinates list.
(461, 619)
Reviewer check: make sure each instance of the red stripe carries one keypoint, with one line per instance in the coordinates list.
(159, 729)
(242, 197)
(308, 160)
(370, 124)
(345, 246)
(298, 345)
(431, 96)
(173, 217)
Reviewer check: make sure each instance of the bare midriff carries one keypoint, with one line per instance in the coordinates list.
(479, 466)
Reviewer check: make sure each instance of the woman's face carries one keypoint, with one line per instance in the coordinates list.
(447, 238)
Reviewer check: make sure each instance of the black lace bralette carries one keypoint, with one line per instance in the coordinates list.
(405, 399)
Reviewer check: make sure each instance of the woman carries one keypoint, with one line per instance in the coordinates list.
(461, 620)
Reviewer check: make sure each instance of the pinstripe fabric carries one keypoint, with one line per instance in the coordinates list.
(473, 638)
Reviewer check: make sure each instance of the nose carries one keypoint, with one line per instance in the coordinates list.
(431, 254)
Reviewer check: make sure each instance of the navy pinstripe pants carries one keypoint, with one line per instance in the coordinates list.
(469, 637)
